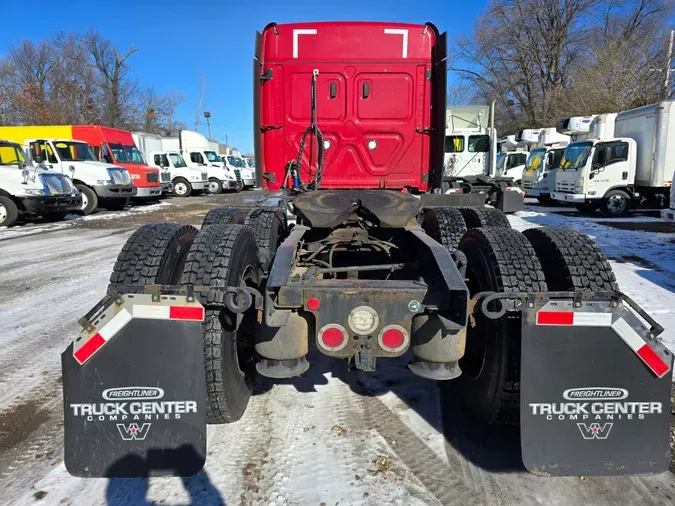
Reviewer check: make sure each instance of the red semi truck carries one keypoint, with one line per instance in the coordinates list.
(116, 146)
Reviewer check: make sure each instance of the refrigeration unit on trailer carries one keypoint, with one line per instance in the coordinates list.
(618, 174)
(576, 127)
(527, 331)
(101, 184)
(27, 190)
(197, 152)
(184, 180)
(542, 163)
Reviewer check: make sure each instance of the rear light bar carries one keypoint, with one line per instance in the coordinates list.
(393, 338)
(333, 337)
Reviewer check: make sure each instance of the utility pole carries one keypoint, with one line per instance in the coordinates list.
(669, 62)
(207, 115)
(226, 143)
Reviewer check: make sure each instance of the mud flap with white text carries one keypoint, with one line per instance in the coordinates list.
(134, 390)
(595, 392)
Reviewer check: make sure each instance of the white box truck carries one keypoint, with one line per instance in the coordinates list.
(32, 190)
(542, 163)
(621, 173)
(198, 154)
(185, 181)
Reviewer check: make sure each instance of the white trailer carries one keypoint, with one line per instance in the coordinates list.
(624, 172)
(185, 181)
(199, 154)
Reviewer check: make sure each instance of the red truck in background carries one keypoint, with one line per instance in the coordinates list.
(117, 147)
(379, 104)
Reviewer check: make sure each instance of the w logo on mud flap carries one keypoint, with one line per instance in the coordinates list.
(133, 431)
(595, 430)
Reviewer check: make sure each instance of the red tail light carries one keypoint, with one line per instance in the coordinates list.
(333, 337)
(393, 338)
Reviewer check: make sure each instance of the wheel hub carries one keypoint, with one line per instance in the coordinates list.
(616, 204)
(85, 201)
(213, 186)
(3, 213)
(180, 189)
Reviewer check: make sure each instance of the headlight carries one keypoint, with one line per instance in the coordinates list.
(103, 182)
(135, 176)
(579, 186)
(31, 191)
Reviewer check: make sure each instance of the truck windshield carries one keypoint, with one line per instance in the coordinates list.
(126, 154)
(74, 151)
(11, 154)
(575, 155)
(240, 163)
(501, 158)
(211, 156)
(534, 160)
(232, 161)
(177, 160)
(250, 164)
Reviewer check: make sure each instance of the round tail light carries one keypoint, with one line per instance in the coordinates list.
(393, 338)
(333, 337)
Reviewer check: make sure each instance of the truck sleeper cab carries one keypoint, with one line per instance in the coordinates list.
(27, 190)
(186, 181)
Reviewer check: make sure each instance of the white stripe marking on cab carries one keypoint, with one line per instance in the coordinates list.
(115, 324)
(398, 31)
(296, 34)
(151, 312)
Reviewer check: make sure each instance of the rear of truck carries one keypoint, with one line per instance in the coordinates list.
(530, 326)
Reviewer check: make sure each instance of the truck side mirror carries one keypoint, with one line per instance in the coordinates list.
(35, 151)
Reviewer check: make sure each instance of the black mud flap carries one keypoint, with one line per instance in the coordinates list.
(510, 201)
(429, 200)
(595, 392)
(133, 390)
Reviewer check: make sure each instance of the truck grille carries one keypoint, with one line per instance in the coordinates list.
(528, 185)
(57, 184)
(152, 177)
(564, 186)
(166, 177)
(237, 174)
(119, 176)
(205, 176)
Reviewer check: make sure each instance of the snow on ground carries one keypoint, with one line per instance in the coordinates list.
(328, 437)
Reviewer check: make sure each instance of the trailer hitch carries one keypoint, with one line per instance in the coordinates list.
(484, 303)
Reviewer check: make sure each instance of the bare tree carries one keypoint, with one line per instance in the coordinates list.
(460, 93)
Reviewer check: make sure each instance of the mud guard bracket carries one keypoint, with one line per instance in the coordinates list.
(134, 390)
(592, 403)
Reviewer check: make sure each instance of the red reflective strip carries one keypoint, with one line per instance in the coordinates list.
(555, 318)
(89, 348)
(186, 313)
(653, 361)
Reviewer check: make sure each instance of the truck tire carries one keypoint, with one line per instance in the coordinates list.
(225, 215)
(587, 207)
(89, 200)
(499, 260)
(545, 200)
(9, 213)
(571, 261)
(154, 254)
(226, 255)
(114, 204)
(269, 228)
(479, 217)
(445, 225)
(615, 204)
(215, 187)
(182, 187)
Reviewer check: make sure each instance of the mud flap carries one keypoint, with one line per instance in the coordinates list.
(134, 390)
(509, 201)
(595, 392)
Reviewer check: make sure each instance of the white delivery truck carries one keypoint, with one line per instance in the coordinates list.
(101, 184)
(247, 173)
(198, 154)
(602, 126)
(669, 214)
(184, 180)
(542, 163)
(512, 163)
(32, 190)
(626, 171)
(147, 143)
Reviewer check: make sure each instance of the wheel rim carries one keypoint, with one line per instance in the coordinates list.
(85, 201)
(616, 204)
(3, 213)
(180, 188)
(214, 186)
(245, 323)
(240, 185)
